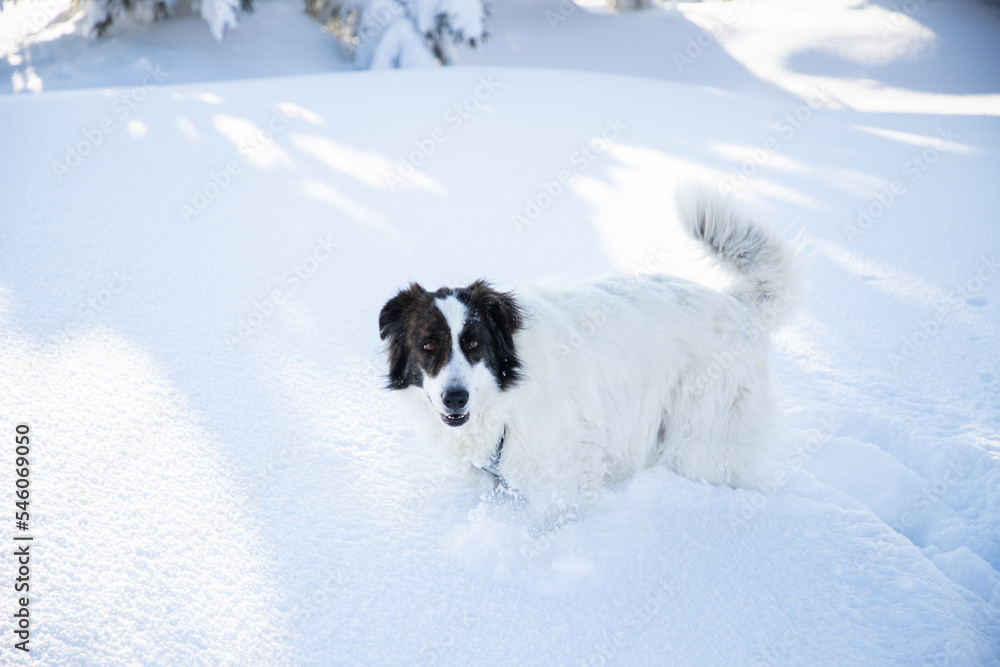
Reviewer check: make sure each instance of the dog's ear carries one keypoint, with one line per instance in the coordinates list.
(391, 319)
(392, 329)
(506, 315)
(506, 318)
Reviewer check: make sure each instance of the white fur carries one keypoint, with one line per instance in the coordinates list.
(457, 371)
(627, 372)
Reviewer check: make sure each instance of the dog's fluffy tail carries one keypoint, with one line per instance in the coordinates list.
(767, 276)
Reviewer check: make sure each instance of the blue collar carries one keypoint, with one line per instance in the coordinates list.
(493, 467)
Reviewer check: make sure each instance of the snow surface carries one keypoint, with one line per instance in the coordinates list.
(189, 325)
(277, 39)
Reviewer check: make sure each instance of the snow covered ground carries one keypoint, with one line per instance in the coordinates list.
(192, 265)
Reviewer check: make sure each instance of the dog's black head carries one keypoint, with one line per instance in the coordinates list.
(449, 342)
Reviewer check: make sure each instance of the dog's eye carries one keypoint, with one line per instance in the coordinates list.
(473, 344)
(429, 346)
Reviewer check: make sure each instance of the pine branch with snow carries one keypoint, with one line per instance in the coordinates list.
(220, 15)
(402, 33)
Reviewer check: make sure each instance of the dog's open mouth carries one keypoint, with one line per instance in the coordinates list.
(455, 420)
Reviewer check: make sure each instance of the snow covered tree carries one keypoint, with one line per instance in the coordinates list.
(221, 15)
(629, 5)
(402, 33)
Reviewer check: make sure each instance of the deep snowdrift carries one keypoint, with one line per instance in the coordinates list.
(190, 278)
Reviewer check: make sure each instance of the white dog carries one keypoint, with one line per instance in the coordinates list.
(667, 371)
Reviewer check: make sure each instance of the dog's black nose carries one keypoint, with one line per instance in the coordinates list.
(455, 399)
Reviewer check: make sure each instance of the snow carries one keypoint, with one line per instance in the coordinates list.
(188, 322)
(221, 15)
(60, 57)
